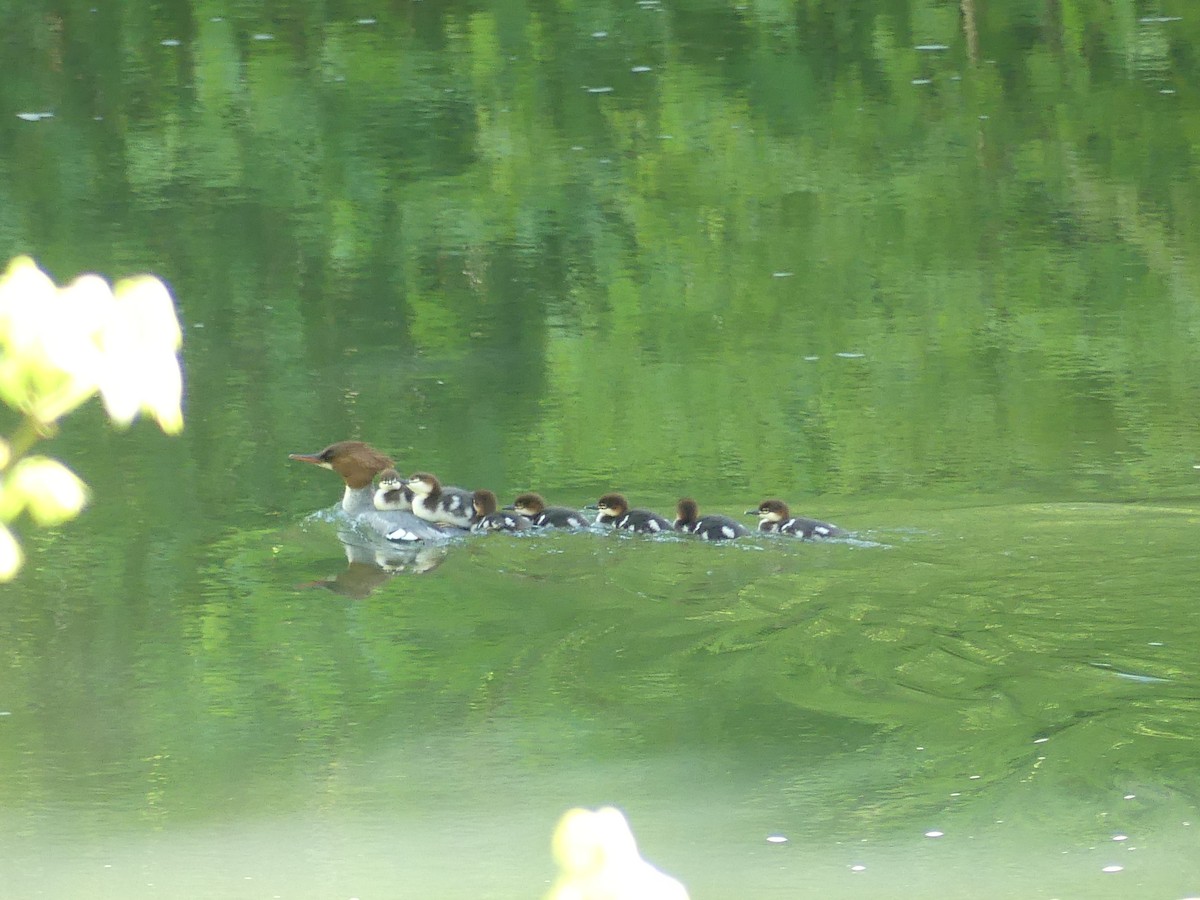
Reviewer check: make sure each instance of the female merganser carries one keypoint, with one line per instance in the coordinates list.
(441, 505)
(773, 516)
(488, 519)
(392, 492)
(710, 528)
(358, 463)
(534, 508)
(615, 511)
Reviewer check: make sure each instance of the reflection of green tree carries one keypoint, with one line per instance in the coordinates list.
(449, 178)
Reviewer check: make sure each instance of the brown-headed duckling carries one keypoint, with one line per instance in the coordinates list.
(710, 527)
(774, 516)
(392, 492)
(488, 519)
(614, 510)
(534, 508)
(440, 504)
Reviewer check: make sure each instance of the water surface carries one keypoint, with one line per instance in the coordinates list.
(925, 270)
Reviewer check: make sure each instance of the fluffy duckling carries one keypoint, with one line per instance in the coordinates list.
(774, 516)
(441, 505)
(614, 510)
(534, 508)
(710, 528)
(393, 491)
(488, 519)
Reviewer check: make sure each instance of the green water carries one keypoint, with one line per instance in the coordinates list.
(946, 298)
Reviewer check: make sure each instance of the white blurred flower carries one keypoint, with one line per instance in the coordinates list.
(139, 343)
(29, 313)
(10, 553)
(58, 347)
(48, 490)
(599, 860)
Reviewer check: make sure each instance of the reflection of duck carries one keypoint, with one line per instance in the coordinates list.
(358, 463)
(773, 516)
(392, 492)
(369, 568)
(488, 519)
(534, 508)
(614, 510)
(710, 528)
(417, 559)
(441, 505)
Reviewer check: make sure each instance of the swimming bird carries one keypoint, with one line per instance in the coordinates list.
(711, 527)
(439, 504)
(393, 491)
(488, 519)
(534, 508)
(774, 516)
(614, 510)
(357, 463)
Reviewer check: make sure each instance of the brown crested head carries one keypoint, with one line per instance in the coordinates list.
(529, 504)
(424, 483)
(687, 510)
(484, 501)
(773, 509)
(613, 504)
(356, 461)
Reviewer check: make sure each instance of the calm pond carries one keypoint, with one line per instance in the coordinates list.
(928, 270)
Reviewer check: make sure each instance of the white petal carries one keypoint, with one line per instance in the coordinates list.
(10, 555)
(50, 491)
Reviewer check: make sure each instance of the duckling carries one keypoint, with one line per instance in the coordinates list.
(487, 519)
(534, 508)
(710, 528)
(393, 492)
(441, 505)
(614, 510)
(773, 516)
